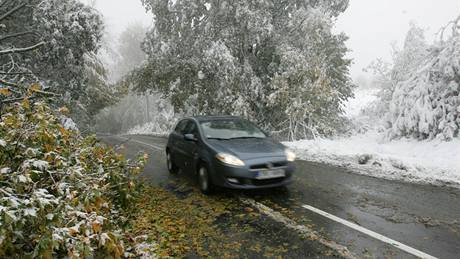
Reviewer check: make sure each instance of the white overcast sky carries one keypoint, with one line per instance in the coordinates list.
(372, 25)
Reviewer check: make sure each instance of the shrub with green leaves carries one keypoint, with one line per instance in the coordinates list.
(62, 194)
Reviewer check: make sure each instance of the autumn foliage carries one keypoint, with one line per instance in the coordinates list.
(62, 194)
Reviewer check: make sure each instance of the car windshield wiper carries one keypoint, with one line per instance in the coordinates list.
(220, 138)
(248, 137)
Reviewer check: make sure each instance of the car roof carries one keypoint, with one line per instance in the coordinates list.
(213, 117)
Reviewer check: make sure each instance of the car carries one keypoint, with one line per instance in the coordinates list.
(230, 152)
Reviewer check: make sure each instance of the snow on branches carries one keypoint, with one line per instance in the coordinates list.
(61, 194)
(276, 62)
(427, 104)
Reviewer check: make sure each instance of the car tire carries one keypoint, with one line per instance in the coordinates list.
(172, 168)
(204, 180)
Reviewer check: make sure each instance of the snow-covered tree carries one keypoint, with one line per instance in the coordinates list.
(405, 62)
(61, 39)
(277, 62)
(427, 104)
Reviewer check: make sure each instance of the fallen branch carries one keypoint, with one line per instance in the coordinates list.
(21, 50)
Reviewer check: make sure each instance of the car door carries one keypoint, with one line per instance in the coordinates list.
(176, 142)
(189, 147)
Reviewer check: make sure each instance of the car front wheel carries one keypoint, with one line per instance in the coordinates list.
(172, 168)
(204, 180)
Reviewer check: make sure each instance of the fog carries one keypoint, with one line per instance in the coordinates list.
(373, 25)
(120, 13)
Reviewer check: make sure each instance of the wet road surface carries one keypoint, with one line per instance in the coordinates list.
(424, 218)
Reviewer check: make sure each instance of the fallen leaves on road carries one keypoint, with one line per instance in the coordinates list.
(185, 223)
(182, 226)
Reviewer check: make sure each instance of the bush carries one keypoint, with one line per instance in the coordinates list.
(61, 194)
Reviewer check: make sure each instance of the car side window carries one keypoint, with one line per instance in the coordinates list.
(190, 128)
(181, 127)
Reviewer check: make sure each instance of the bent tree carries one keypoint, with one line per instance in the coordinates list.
(276, 62)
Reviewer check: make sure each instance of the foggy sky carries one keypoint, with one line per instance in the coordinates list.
(372, 25)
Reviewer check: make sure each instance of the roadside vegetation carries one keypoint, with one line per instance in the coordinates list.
(61, 194)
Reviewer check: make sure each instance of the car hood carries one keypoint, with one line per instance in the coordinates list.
(250, 148)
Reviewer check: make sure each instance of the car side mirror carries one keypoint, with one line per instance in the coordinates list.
(190, 137)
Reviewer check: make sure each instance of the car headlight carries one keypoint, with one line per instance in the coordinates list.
(290, 155)
(229, 159)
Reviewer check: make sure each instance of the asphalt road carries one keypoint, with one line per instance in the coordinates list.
(424, 219)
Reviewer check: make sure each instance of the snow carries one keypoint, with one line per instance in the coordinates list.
(370, 153)
(30, 212)
(69, 124)
(150, 128)
(201, 75)
(363, 97)
(435, 162)
(40, 164)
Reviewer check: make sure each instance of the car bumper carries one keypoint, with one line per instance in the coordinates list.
(225, 176)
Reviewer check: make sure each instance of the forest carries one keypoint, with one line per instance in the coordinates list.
(277, 63)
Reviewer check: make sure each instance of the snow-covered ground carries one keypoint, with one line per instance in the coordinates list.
(150, 128)
(435, 162)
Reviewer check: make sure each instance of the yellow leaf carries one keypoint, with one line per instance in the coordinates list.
(63, 131)
(5, 91)
(35, 87)
(73, 231)
(64, 110)
(25, 104)
(96, 227)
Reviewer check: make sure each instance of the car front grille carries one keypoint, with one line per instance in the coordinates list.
(265, 166)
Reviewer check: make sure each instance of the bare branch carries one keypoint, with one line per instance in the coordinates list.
(21, 50)
(12, 11)
(16, 99)
(45, 93)
(17, 35)
(12, 100)
(15, 73)
(8, 83)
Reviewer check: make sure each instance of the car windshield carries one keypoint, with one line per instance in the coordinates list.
(231, 129)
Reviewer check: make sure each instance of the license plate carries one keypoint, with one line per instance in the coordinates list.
(270, 174)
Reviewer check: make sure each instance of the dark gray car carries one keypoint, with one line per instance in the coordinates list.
(230, 152)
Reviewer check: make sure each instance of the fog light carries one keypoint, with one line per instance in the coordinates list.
(233, 180)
